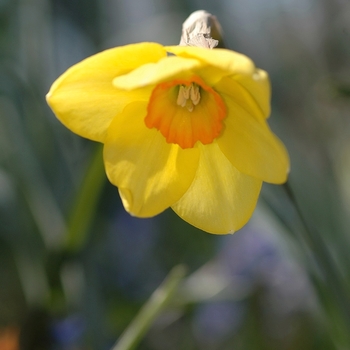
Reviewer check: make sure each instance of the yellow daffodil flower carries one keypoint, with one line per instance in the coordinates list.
(182, 127)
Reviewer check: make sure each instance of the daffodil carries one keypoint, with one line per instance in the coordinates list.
(182, 127)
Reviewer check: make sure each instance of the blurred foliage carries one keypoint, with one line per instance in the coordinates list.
(75, 268)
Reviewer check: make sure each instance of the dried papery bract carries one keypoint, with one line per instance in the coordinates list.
(201, 29)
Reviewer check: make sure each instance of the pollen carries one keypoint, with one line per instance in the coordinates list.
(186, 112)
(189, 96)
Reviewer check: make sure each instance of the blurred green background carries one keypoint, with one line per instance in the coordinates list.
(75, 268)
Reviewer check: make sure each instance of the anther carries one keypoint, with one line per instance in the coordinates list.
(181, 99)
(188, 96)
(195, 94)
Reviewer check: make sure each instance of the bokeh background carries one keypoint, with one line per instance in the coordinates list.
(75, 268)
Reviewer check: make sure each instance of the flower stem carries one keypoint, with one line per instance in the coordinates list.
(148, 313)
(326, 266)
(84, 208)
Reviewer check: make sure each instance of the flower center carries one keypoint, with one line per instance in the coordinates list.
(186, 111)
(189, 96)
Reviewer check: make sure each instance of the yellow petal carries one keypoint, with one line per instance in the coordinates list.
(221, 199)
(84, 98)
(211, 75)
(226, 60)
(258, 86)
(251, 146)
(151, 174)
(154, 73)
(229, 87)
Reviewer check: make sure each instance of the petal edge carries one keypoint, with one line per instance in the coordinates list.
(151, 174)
(220, 199)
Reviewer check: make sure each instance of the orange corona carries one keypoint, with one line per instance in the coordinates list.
(186, 111)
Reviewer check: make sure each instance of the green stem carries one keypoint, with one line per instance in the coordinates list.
(326, 263)
(84, 207)
(148, 313)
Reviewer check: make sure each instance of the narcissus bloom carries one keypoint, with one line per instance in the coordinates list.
(182, 127)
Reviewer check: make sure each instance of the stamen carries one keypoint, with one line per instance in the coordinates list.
(195, 94)
(181, 99)
(189, 96)
(189, 106)
(186, 91)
